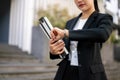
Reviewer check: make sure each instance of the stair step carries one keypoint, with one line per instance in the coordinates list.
(18, 65)
(26, 68)
(47, 76)
(26, 71)
(18, 60)
(14, 53)
(16, 56)
(8, 48)
(27, 64)
(112, 70)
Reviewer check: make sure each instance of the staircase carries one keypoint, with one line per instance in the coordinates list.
(113, 71)
(112, 67)
(18, 65)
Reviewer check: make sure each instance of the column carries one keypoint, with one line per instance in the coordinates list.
(28, 24)
(21, 23)
(12, 23)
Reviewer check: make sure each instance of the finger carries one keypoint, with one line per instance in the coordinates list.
(56, 43)
(55, 32)
(60, 52)
(52, 35)
(59, 32)
(52, 47)
(59, 46)
(56, 52)
(51, 41)
(56, 47)
(58, 38)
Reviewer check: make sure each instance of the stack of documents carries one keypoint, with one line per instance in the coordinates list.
(46, 26)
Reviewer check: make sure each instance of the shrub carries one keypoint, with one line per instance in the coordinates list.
(114, 39)
(57, 16)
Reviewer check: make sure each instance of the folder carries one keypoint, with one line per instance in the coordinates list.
(46, 27)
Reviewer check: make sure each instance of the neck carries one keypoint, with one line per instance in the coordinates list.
(87, 13)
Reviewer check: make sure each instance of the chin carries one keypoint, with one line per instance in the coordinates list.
(83, 9)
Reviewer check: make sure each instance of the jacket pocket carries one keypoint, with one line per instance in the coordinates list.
(97, 68)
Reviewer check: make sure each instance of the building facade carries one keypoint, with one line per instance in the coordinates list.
(17, 17)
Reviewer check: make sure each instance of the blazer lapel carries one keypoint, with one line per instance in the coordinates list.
(90, 20)
(87, 24)
(74, 22)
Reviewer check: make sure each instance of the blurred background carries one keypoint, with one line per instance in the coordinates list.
(24, 52)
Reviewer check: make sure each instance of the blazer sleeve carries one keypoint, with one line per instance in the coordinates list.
(61, 56)
(54, 56)
(99, 33)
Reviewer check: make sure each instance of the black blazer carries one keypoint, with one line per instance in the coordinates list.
(96, 31)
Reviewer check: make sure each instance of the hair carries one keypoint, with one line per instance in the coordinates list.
(96, 5)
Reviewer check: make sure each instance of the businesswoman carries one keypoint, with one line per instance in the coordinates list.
(83, 38)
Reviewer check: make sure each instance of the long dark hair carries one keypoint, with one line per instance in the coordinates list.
(96, 5)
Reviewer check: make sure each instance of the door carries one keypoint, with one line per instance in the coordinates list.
(4, 20)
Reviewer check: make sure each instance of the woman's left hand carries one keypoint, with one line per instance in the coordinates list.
(56, 47)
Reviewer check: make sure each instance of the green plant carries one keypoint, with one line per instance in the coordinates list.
(56, 15)
(114, 39)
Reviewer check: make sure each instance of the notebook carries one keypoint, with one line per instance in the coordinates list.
(46, 27)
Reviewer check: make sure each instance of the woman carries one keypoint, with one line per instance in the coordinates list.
(83, 37)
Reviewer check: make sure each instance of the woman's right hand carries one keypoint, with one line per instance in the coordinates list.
(56, 47)
(58, 34)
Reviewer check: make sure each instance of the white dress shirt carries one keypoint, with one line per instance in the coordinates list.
(73, 57)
